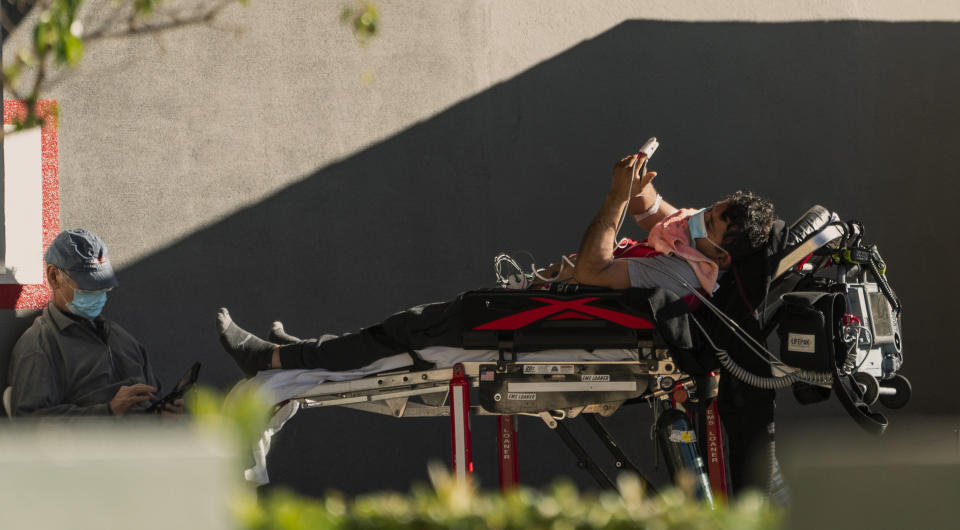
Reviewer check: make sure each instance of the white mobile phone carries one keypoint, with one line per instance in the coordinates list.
(650, 147)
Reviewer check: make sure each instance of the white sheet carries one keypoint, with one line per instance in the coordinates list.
(276, 386)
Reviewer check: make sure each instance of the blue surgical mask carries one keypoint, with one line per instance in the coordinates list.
(87, 304)
(698, 229)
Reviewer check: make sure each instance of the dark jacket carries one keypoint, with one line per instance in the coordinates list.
(63, 365)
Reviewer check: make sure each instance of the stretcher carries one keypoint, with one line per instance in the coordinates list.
(585, 352)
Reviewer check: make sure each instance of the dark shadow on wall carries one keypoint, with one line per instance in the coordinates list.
(860, 117)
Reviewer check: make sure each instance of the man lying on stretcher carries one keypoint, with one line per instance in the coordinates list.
(694, 245)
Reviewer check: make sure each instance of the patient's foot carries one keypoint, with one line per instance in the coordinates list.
(279, 336)
(249, 351)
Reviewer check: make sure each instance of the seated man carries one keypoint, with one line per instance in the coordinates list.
(688, 245)
(71, 361)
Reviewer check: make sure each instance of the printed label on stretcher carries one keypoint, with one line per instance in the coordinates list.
(522, 396)
(548, 369)
(593, 378)
(678, 436)
(801, 343)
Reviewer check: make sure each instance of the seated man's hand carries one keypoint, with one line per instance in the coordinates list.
(128, 396)
(174, 407)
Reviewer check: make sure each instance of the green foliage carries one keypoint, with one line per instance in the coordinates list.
(58, 31)
(449, 503)
(145, 7)
(362, 18)
(58, 41)
(58, 36)
(243, 414)
(452, 504)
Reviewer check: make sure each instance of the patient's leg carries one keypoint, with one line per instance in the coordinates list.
(421, 327)
(249, 351)
(279, 336)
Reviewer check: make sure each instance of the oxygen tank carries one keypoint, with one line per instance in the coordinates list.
(678, 444)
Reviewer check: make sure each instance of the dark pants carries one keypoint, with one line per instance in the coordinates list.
(438, 324)
(748, 419)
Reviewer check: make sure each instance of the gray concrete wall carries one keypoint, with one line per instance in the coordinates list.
(288, 173)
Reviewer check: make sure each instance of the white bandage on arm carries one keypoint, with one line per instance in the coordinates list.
(650, 211)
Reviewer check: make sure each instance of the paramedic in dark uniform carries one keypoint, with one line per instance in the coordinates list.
(71, 361)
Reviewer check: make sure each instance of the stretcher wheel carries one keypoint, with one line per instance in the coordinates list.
(870, 386)
(901, 397)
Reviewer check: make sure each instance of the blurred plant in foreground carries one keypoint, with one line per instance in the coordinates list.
(455, 504)
(448, 503)
(242, 415)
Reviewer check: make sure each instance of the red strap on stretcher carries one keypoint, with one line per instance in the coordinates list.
(462, 460)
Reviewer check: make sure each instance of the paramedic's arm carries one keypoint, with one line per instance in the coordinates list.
(641, 204)
(595, 263)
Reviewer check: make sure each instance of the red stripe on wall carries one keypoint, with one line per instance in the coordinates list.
(35, 296)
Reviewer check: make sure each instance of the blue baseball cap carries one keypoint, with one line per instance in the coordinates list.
(83, 256)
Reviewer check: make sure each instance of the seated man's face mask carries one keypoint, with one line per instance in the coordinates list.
(87, 304)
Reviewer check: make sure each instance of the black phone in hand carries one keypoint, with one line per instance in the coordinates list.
(186, 383)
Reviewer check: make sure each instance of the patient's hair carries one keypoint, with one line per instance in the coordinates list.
(750, 218)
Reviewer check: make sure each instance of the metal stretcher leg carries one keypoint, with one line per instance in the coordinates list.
(507, 450)
(583, 459)
(460, 423)
(622, 461)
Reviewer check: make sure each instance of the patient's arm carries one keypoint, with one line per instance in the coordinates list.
(560, 271)
(595, 263)
(642, 202)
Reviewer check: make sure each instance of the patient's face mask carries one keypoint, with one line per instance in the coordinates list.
(698, 229)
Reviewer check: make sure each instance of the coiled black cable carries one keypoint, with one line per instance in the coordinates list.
(885, 286)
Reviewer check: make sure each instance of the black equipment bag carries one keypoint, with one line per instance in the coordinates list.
(808, 329)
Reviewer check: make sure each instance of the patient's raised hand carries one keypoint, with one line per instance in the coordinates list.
(641, 182)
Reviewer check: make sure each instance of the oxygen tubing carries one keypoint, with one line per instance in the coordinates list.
(771, 383)
(741, 373)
